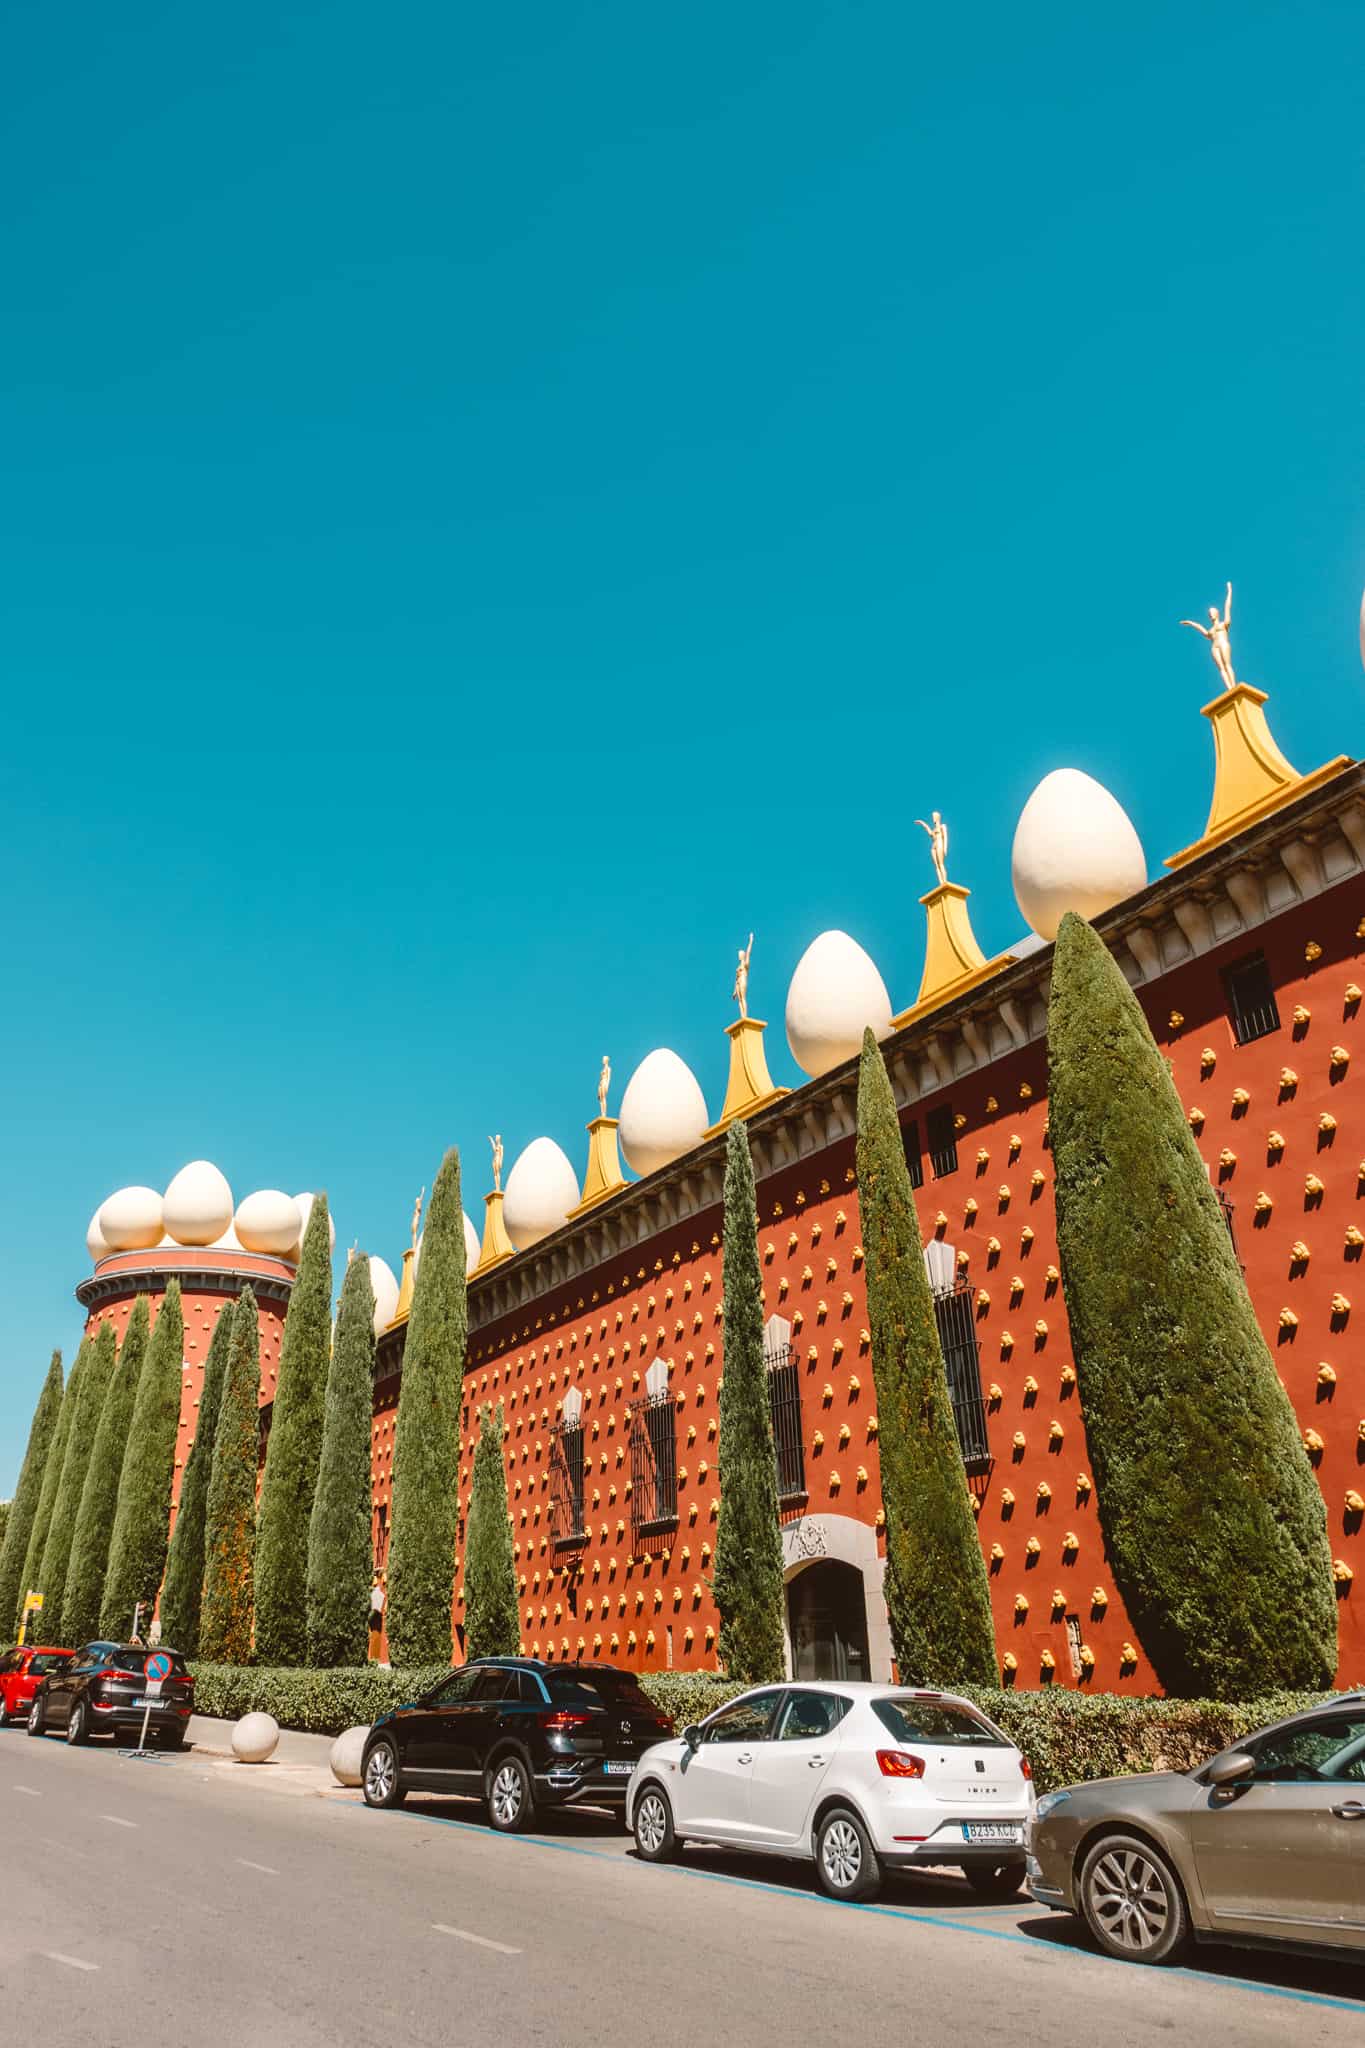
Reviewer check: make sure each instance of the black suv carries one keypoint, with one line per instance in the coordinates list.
(102, 1690)
(518, 1733)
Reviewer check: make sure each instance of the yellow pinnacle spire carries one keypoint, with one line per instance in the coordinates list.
(1251, 777)
(953, 961)
(603, 1176)
(401, 1313)
(750, 1086)
(497, 1245)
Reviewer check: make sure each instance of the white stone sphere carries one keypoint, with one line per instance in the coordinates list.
(541, 1189)
(255, 1738)
(385, 1294)
(197, 1206)
(835, 994)
(1074, 849)
(663, 1111)
(304, 1204)
(268, 1222)
(130, 1220)
(94, 1241)
(347, 1755)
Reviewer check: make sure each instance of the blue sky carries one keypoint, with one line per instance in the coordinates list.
(497, 503)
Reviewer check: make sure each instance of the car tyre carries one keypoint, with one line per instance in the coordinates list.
(1132, 1902)
(652, 1826)
(996, 1880)
(78, 1725)
(845, 1861)
(382, 1781)
(508, 1795)
(37, 1720)
(4, 1711)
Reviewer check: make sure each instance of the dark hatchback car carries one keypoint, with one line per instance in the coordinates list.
(520, 1734)
(103, 1691)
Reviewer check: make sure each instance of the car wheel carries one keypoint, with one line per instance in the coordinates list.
(653, 1826)
(1132, 1901)
(37, 1724)
(996, 1880)
(382, 1783)
(78, 1725)
(4, 1711)
(509, 1798)
(845, 1859)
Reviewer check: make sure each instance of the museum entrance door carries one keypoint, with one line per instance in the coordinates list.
(827, 1619)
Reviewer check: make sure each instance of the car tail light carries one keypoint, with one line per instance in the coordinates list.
(562, 1720)
(133, 1677)
(898, 1763)
(1026, 1767)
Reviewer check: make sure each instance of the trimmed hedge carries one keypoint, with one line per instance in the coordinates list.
(1068, 1737)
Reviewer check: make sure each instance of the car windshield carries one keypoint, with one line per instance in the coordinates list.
(51, 1660)
(912, 1720)
(597, 1689)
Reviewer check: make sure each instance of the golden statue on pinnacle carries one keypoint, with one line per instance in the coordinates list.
(603, 1084)
(1217, 633)
(417, 1216)
(496, 1144)
(740, 992)
(938, 845)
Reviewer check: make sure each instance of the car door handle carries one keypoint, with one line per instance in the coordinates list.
(1354, 1809)
(814, 1762)
(745, 1757)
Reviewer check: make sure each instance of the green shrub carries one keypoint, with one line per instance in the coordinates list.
(937, 1594)
(747, 1577)
(340, 1546)
(183, 1594)
(1212, 1518)
(137, 1547)
(292, 1452)
(228, 1611)
(24, 1506)
(80, 1442)
(30, 1576)
(99, 1496)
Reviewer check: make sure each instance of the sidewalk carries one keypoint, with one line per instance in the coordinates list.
(299, 1765)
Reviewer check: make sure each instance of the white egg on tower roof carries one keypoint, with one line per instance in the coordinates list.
(663, 1111)
(197, 1206)
(385, 1293)
(130, 1220)
(304, 1204)
(471, 1246)
(836, 993)
(1075, 848)
(228, 1242)
(94, 1241)
(541, 1189)
(268, 1222)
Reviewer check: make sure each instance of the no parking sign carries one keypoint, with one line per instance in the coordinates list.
(158, 1671)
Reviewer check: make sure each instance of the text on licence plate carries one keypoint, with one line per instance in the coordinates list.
(618, 1770)
(989, 1831)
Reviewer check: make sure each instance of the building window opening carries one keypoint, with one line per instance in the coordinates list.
(784, 1407)
(566, 1473)
(942, 1141)
(654, 1456)
(955, 1314)
(914, 1158)
(1251, 999)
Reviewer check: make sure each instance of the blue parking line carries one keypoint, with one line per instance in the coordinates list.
(910, 1913)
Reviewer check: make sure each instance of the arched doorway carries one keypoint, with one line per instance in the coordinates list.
(827, 1622)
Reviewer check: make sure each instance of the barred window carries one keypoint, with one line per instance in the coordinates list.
(566, 1483)
(942, 1137)
(954, 1312)
(654, 1456)
(784, 1407)
(1251, 998)
(914, 1159)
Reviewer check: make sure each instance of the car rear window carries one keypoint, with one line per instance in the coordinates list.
(597, 1689)
(912, 1720)
(136, 1660)
(40, 1666)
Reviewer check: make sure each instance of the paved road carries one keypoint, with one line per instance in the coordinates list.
(193, 1902)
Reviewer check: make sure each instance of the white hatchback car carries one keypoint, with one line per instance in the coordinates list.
(858, 1778)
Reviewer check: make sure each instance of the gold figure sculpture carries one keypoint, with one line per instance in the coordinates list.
(740, 991)
(417, 1216)
(496, 1144)
(938, 844)
(1217, 635)
(603, 1084)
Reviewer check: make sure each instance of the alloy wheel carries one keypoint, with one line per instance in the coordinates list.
(379, 1774)
(1129, 1900)
(507, 1795)
(842, 1854)
(651, 1823)
(75, 1726)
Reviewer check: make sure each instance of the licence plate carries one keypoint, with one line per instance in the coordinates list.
(989, 1831)
(147, 1702)
(618, 1770)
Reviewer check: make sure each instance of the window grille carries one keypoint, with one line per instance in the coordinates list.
(654, 1464)
(566, 1484)
(913, 1157)
(942, 1139)
(1251, 998)
(954, 1311)
(784, 1404)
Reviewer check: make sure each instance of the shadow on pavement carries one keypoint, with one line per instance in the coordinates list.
(1321, 1977)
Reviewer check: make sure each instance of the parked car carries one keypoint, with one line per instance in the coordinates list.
(20, 1671)
(518, 1733)
(102, 1690)
(1265, 1843)
(858, 1778)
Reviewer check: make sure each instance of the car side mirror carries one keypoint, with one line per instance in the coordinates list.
(1232, 1768)
(692, 1737)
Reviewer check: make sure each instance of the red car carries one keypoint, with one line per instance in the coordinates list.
(20, 1671)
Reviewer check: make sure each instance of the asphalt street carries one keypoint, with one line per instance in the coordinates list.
(196, 1902)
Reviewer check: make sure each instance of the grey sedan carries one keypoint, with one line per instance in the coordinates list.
(1264, 1844)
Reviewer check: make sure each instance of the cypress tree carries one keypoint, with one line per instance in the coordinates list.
(80, 1442)
(183, 1592)
(30, 1577)
(937, 1594)
(1213, 1520)
(747, 1580)
(426, 1457)
(24, 1506)
(292, 1452)
(340, 1549)
(137, 1546)
(228, 1610)
(492, 1624)
(99, 1496)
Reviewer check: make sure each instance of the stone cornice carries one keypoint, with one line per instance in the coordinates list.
(102, 1286)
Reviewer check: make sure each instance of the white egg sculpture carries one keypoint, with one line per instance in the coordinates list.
(304, 1205)
(385, 1294)
(197, 1206)
(228, 1242)
(663, 1111)
(541, 1189)
(836, 993)
(472, 1247)
(1074, 849)
(94, 1241)
(130, 1220)
(268, 1222)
